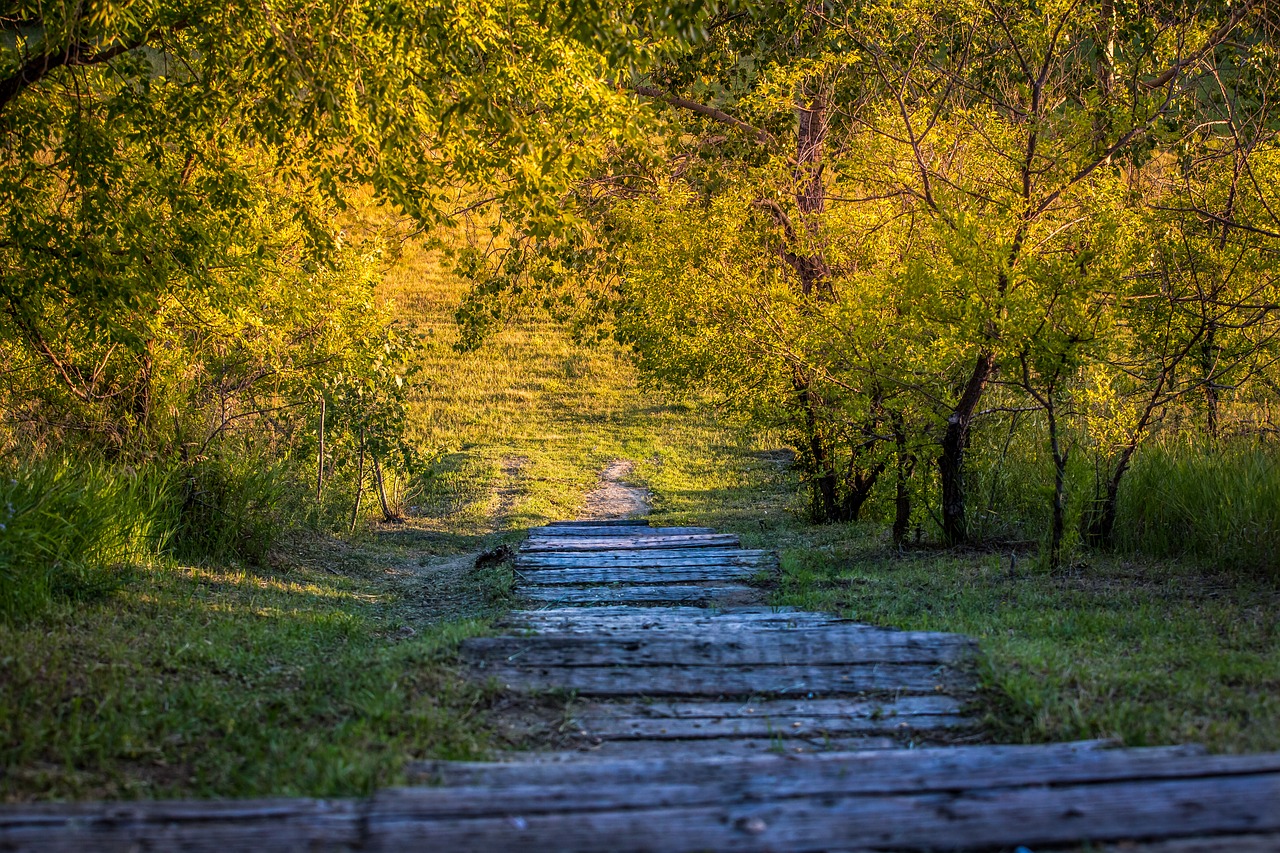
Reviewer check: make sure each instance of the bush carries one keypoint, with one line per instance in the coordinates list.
(233, 508)
(70, 531)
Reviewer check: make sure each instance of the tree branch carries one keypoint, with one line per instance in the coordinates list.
(760, 135)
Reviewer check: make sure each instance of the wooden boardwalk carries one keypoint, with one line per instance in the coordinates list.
(701, 720)
(660, 636)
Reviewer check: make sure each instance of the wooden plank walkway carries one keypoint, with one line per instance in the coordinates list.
(723, 726)
(654, 676)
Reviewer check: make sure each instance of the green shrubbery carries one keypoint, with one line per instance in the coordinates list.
(67, 529)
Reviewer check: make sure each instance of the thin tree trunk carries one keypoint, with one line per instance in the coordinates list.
(905, 463)
(1058, 525)
(320, 455)
(387, 514)
(355, 511)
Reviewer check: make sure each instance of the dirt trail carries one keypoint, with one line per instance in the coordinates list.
(614, 498)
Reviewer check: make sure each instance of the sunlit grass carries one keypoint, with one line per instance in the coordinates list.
(1149, 652)
(211, 682)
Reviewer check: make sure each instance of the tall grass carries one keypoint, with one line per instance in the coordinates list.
(1216, 504)
(72, 529)
(67, 529)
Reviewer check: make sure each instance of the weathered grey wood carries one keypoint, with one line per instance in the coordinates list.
(601, 530)
(961, 820)
(825, 645)
(727, 681)
(963, 798)
(204, 827)
(795, 726)
(611, 595)
(902, 706)
(1249, 843)
(926, 769)
(674, 615)
(686, 750)
(665, 574)
(637, 559)
(553, 545)
(666, 613)
(731, 620)
(623, 554)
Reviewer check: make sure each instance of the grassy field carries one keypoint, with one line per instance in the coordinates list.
(323, 672)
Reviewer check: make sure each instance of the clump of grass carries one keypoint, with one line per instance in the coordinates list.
(1220, 504)
(68, 531)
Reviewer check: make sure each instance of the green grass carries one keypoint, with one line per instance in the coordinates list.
(1215, 503)
(1149, 652)
(307, 678)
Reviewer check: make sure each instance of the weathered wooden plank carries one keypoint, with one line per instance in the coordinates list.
(657, 594)
(604, 531)
(1249, 843)
(685, 750)
(553, 545)
(204, 827)
(636, 559)
(903, 706)
(665, 574)
(963, 798)
(795, 726)
(727, 681)
(623, 610)
(623, 554)
(928, 769)
(729, 620)
(826, 645)
(962, 819)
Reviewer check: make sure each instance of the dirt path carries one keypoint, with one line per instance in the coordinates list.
(614, 498)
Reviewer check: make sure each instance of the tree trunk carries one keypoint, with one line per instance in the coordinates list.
(355, 511)
(904, 465)
(811, 197)
(955, 442)
(823, 477)
(320, 455)
(1058, 525)
(387, 514)
(1100, 531)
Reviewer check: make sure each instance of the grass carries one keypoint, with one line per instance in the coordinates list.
(306, 678)
(1149, 652)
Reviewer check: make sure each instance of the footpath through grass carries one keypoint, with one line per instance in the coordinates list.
(323, 672)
